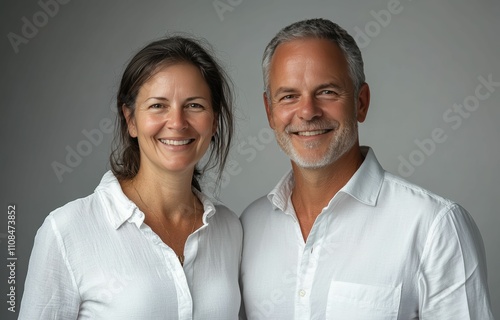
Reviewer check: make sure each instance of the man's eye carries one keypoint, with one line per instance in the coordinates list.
(287, 97)
(327, 92)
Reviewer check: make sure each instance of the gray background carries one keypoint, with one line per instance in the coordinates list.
(427, 58)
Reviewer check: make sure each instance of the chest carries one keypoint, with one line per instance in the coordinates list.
(134, 275)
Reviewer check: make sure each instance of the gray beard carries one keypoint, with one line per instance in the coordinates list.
(343, 141)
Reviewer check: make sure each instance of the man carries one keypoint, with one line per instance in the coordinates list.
(338, 237)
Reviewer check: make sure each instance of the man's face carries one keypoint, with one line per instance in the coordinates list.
(312, 105)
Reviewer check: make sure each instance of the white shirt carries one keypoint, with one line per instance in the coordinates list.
(95, 258)
(381, 249)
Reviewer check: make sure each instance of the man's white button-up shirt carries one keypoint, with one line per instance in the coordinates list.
(381, 249)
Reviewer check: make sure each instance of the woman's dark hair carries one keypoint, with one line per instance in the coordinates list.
(125, 156)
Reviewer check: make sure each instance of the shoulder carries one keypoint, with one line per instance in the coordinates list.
(224, 213)
(394, 194)
(78, 217)
(216, 212)
(415, 203)
(106, 208)
(402, 191)
(225, 218)
(257, 211)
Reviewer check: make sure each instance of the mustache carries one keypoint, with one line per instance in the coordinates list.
(313, 125)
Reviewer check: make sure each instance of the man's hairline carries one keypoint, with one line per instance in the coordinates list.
(267, 90)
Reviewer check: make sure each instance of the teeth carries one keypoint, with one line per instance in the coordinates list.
(311, 133)
(175, 142)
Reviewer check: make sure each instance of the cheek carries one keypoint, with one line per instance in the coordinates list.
(282, 116)
(149, 125)
(205, 126)
(340, 111)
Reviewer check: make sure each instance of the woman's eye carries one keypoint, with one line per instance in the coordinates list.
(194, 106)
(156, 106)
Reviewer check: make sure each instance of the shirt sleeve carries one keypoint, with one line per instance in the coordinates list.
(453, 278)
(50, 290)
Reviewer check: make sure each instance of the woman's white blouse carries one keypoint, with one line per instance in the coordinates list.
(95, 258)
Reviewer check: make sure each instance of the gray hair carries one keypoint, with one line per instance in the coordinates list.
(319, 29)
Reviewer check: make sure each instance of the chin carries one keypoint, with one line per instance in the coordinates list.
(178, 167)
(310, 162)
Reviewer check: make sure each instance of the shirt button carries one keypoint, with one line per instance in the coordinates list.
(302, 293)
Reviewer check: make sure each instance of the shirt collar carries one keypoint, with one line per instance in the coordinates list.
(364, 185)
(367, 181)
(281, 193)
(121, 209)
(208, 205)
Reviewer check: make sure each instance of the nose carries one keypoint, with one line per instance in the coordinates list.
(177, 119)
(309, 109)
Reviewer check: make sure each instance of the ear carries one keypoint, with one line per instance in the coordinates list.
(363, 102)
(132, 128)
(268, 110)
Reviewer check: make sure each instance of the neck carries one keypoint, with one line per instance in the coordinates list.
(314, 188)
(168, 195)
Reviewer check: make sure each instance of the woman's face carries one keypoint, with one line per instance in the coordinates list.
(173, 120)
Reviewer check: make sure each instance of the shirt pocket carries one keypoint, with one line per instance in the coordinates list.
(352, 301)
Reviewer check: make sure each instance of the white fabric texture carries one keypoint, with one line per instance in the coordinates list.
(381, 249)
(95, 258)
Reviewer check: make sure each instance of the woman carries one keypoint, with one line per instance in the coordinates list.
(148, 244)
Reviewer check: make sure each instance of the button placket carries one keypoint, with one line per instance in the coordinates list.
(308, 266)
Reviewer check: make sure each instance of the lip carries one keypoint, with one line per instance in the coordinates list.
(176, 142)
(311, 133)
(310, 136)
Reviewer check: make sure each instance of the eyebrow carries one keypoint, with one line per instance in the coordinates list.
(187, 100)
(283, 90)
(328, 85)
(156, 98)
(196, 97)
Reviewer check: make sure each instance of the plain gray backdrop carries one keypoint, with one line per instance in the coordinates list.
(432, 119)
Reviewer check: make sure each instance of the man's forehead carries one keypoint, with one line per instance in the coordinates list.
(305, 50)
(321, 59)
(306, 43)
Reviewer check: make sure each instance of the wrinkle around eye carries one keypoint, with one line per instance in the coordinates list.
(156, 106)
(196, 107)
(327, 92)
(287, 98)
